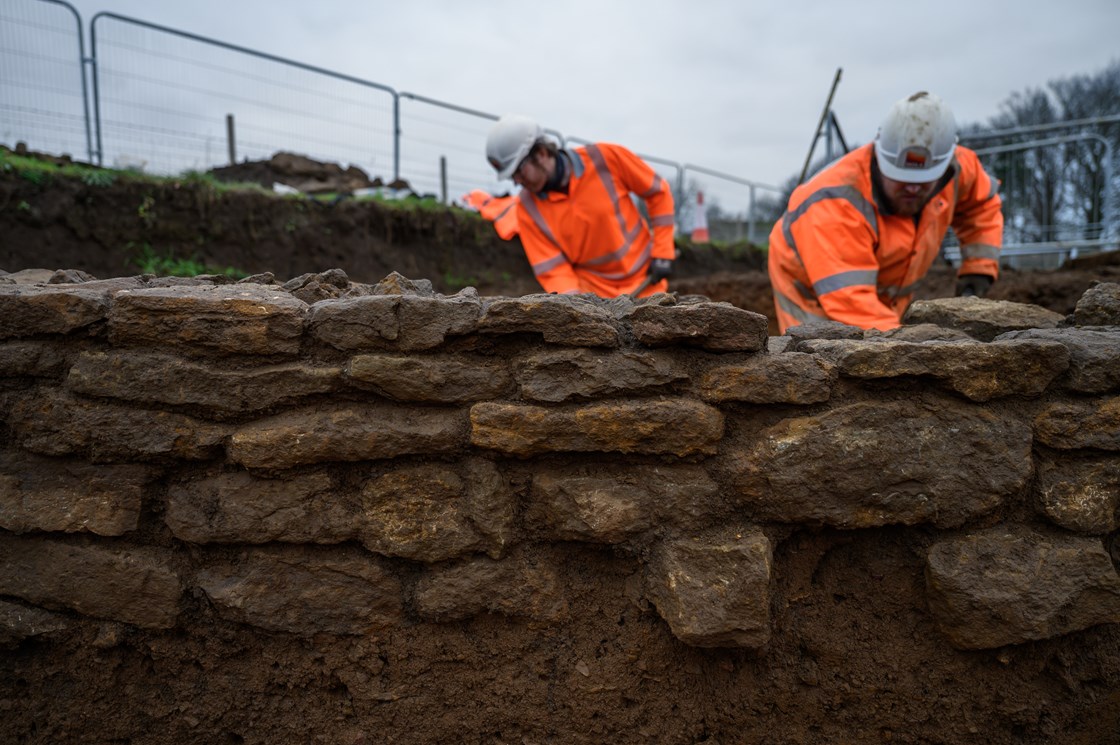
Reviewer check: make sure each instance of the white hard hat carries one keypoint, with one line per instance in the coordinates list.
(916, 142)
(509, 141)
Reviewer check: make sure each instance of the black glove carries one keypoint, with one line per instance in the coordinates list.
(659, 269)
(973, 284)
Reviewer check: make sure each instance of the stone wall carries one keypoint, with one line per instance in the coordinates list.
(325, 458)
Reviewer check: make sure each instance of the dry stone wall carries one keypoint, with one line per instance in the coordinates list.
(384, 455)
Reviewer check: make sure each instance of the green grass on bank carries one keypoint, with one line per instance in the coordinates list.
(148, 261)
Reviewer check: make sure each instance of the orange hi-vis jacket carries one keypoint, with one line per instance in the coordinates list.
(499, 210)
(593, 239)
(838, 254)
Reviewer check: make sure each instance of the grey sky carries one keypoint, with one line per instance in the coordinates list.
(732, 85)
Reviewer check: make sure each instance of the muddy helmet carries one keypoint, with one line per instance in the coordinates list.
(509, 141)
(916, 141)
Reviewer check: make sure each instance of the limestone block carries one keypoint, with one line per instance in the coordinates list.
(928, 459)
(163, 379)
(234, 319)
(346, 433)
(437, 378)
(405, 322)
(976, 370)
(54, 423)
(241, 508)
(788, 378)
(1081, 495)
(27, 310)
(69, 496)
(1099, 306)
(19, 622)
(430, 513)
(134, 586)
(714, 590)
(561, 319)
(609, 503)
(671, 426)
(980, 318)
(918, 333)
(305, 592)
(522, 585)
(556, 376)
(718, 327)
(1012, 584)
(1080, 424)
(33, 359)
(354, 324)
(1094, 355)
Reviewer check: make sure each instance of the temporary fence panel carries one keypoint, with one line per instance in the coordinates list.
(42, 88)
(443, 146)
(164, 97)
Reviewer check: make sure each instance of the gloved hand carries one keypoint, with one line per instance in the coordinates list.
(973, 284)
(660, 269)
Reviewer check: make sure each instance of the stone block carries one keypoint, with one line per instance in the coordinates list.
(556, 376)
(54, 423)
(27, 310)
(432, 513)
(232, 319)
(717, 327)
(405, 322)
(655, 426)
(787, 378)
(1094, 356)
(19, 622)
(1099, 306)
(238, 507)
(69, 496)
(976, 370)
(346, 433)
(32, 359)
(436, 379)
(561, 319)
(610, 503)
(162, 379)
(1011, 584)
(980, 318)
(1070, 425)
(1080, 495)
(305, 592)
(927, 459)
(522, 585)
(130, 585)
(714, 590)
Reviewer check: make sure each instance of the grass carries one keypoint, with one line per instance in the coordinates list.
(169, 265)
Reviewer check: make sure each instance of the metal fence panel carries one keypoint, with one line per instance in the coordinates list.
(42, 99)
(163, 97)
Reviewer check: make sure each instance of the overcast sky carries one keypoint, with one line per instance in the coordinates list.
(732, 85)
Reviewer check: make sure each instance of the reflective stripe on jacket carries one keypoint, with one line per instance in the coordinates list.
(836, 254)
(592, 238)
(499, 210)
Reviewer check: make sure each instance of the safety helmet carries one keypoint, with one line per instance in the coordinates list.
(916, 141)
(509, 141)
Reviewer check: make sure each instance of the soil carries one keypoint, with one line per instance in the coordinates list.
(854, 657)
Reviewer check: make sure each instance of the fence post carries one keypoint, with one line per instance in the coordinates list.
(443, 179)
(230, 140)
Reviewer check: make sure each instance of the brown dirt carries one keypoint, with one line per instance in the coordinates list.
(855, 657)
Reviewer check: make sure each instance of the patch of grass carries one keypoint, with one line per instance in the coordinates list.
(455, 282)
(208, 181)
(169, 265)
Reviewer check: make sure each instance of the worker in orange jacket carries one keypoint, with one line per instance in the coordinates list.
(580, 229)
(858, 238)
